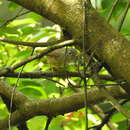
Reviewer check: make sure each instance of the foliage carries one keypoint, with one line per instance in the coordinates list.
(30, 27)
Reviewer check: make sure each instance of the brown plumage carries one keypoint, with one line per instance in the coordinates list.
(62, 57)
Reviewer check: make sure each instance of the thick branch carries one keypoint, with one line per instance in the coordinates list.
(6, 91)
(55, 106)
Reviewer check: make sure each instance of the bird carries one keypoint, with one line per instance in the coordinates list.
(62, 57)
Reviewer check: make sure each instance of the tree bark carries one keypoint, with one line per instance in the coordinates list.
(28, 108)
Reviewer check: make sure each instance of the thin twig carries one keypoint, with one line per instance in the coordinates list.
(108, 116)
(56, 74)
(100, 112)
(110, 113)
(123, 16)
(31, 44)
(112, 100)
(31, 58)
(48, 123)
(12, 95)
(111, 11)
(56, 82)
(86, 8)
(10, 20)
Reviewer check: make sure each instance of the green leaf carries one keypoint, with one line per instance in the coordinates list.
(30, 82)
(23, 54)
(33, 92)
(12, 6)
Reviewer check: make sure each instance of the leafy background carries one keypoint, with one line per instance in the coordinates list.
(33, 27)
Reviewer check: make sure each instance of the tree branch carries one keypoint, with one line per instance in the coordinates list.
(32, 44)
(52, 107)
(54, 74)
(31, 58)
